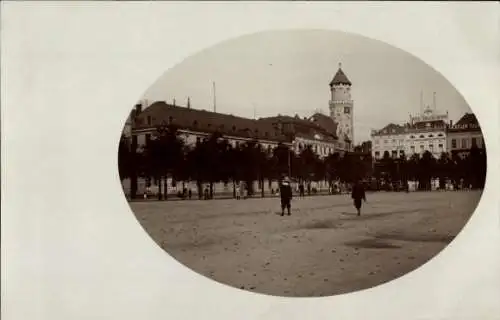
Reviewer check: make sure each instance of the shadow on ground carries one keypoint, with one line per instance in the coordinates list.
(325, 224)
(354, 216)
(372, 243)
(416, 237)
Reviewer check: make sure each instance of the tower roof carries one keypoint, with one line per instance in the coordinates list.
(340, 78)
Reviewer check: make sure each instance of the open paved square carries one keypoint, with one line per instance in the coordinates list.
(322, 249)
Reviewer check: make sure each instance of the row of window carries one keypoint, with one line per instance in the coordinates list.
(322, 150)
(317, 149)
(465, 143)
(411, 137)
(412, 150)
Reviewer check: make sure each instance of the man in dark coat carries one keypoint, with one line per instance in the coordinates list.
(358, 194)
(286, 196)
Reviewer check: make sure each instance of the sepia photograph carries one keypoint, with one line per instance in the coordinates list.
(302, 163)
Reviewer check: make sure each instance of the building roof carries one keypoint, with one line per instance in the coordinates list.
(305, 128)
(391, 128)
(207, 122)
(468, 119)
(325, 122)
(468, 122)
(340, 78)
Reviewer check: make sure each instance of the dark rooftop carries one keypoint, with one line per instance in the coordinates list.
(340, 78)
(206, 122)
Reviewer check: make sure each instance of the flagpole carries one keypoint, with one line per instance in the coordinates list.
(215, 99)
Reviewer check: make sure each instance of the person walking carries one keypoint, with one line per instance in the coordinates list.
(301, 190)
(358, 194)
(286, 196)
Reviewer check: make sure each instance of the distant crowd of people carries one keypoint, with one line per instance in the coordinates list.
(285, 191)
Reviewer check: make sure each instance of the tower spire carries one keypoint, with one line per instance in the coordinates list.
(340, 78)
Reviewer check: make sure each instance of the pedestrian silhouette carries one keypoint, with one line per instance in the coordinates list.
(358, 194)
(286, 196)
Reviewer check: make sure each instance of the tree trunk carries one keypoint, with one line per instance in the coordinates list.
(262, 187)
(165, 188)
(200, 189)
(159, 188)
(234, 189)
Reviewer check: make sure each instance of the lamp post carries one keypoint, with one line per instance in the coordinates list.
(289, 163)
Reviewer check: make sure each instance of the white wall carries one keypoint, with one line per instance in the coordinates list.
(434, 142)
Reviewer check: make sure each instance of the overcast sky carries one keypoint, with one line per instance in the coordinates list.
(288, 72)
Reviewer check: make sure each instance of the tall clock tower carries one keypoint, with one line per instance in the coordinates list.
(341, 108)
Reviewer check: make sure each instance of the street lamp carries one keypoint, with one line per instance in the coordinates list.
(289, 163)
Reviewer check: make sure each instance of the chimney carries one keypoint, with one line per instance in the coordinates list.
(138, 109)
(451, 123)
(189, 103)
(174, 102)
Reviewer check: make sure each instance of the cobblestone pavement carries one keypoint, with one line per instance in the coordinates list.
(322, 249)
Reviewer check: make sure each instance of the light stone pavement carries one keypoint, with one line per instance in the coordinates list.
(322, 249)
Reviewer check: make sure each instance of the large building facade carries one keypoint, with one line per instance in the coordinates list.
(424, 132)
(324, 134)
(428, 131)
(464, 135)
